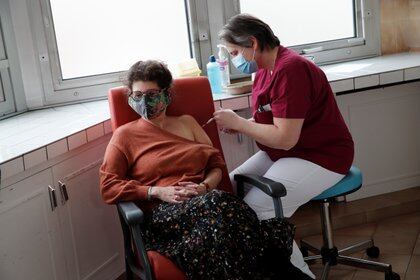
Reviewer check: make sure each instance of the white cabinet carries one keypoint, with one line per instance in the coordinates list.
(30, 240)
(79, 237)
(385, 125)
(237, 148)
(91, 230)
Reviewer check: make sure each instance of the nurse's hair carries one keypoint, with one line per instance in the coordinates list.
(240, 28)
(149, 71)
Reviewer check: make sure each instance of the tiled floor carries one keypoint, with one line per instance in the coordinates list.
(398, 239)
(357, 212)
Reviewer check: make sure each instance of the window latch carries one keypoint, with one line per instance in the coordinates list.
(356, 41)
(312, 50)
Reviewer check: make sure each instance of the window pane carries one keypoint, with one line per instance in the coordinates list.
(305, 21)
(96, 37)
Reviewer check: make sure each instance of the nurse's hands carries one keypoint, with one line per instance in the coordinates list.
(227, 120)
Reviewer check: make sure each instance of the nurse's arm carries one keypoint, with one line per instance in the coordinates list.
(282, 134)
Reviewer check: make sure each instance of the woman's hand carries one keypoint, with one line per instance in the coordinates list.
(173, 194)
(200, 189)
(227, 120)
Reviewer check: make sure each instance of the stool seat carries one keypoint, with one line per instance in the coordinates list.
(350, 183)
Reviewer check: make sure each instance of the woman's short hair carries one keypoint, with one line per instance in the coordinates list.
(240, 28)
(149, 71)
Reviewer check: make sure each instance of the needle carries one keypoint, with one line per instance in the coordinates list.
(209, 121)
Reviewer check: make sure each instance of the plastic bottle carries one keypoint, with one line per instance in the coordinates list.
(214, 75)
(224, 66)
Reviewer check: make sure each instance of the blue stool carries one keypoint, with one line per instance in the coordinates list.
(329, 254)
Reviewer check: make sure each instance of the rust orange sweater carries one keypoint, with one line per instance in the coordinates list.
(140, 155)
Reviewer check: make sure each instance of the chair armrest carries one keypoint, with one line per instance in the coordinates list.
(274, 189)
(132, 217)
(270, 187)
(131, 213)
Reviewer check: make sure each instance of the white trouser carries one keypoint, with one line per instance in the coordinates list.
(303, 181)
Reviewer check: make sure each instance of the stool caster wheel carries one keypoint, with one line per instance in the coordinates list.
(372, 252)
(392, 276)
(304, 251)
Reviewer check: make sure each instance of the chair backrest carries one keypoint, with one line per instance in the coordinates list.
(192, 96)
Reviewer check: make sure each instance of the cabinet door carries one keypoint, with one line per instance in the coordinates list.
(237, 148)
(385, 125)
(30, 243)
(91, 229)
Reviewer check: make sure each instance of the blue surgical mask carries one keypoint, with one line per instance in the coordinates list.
(243, 65)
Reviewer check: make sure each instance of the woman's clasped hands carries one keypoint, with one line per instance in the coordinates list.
(177, 194)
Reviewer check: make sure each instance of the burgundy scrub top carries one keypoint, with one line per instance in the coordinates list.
(298, 89)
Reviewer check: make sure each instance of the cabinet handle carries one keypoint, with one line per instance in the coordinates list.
(63, 190)
(53, 198)
(240, 138)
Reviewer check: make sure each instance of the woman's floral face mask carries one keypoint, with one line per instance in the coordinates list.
(149, 104)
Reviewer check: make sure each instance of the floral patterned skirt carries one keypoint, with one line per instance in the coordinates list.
(218, 236)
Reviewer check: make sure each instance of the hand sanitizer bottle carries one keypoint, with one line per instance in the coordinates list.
(214, 75)
(224, 65)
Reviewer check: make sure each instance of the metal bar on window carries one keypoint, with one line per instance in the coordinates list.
(2, 49)
(2, 97)
(4, 64)
(7, 101)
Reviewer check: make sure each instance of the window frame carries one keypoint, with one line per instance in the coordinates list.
(60, 91)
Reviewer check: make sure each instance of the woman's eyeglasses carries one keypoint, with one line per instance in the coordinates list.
(139, 94)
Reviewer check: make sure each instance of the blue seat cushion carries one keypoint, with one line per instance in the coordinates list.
(350, 183)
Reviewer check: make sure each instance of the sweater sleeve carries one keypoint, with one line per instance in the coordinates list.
(114, 184)
(215, 160)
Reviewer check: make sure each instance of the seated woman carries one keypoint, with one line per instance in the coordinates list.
(168, 166)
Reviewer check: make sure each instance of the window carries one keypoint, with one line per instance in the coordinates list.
(326, 31)
(307, 21)
(84, 47)
(92, 43)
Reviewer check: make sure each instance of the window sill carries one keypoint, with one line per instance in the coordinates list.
(37, 136)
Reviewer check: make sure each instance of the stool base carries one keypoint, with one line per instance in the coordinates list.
(331, 256)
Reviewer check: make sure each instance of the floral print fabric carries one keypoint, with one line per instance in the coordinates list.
(217, 236)
(149, 105)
